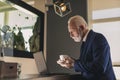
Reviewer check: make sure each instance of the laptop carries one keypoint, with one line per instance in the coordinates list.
(42, 66)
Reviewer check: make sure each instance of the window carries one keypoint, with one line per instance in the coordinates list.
(107, 22)
(19, 19)
(106, 13)
(26, 22)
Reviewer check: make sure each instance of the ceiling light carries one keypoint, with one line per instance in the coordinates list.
(62, 8)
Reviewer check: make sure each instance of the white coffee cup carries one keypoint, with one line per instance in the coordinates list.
(63, 57)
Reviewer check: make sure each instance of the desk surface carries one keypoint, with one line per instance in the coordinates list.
(46, 77)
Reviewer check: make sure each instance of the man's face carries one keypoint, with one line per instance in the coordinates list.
(75, 33)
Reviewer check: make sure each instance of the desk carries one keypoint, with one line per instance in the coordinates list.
(46, 77)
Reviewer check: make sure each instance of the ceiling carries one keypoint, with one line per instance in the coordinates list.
(5, 7)
(96, 4)
(2, 4)
(99, 4)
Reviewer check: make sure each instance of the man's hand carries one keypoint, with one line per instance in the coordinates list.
(67, 62)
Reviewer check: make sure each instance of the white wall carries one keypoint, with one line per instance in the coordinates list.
(105, 4)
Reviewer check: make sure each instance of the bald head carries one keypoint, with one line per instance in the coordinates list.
(77, 21)
(77, 27)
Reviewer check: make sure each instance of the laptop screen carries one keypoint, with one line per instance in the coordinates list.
(40, 62)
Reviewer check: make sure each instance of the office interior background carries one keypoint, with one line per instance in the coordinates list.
(102, 16)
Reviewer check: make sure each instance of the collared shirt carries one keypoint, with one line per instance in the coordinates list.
(85, 37)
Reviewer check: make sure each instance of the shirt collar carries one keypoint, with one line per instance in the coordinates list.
(85, 37)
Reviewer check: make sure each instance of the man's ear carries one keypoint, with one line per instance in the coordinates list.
(82, 27)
